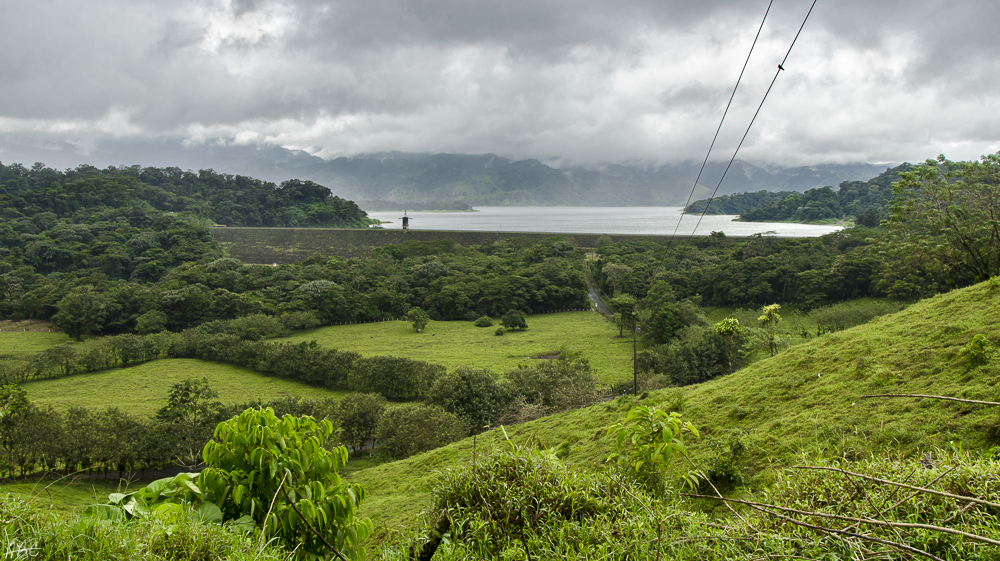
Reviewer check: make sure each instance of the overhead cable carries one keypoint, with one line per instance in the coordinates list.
(781, 67)
(731, 96)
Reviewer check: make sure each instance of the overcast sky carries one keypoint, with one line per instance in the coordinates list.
(579, 81)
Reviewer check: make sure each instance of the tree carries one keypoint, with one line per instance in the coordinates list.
(729, 330)
(615, 274)
(624, 305)
(514, 319)
(944, 227)
(414, 428)
(768, 320)
(358, 415)
(473, 394)
(83, 310)
(192, 415)
(418, 317)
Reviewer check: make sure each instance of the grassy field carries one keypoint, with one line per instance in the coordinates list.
(17, 344)
(459, 343)
(142, 389)
(804, 403)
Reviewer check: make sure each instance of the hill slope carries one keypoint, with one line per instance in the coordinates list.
(803, 403)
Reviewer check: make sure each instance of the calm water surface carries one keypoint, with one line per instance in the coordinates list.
(661, 221)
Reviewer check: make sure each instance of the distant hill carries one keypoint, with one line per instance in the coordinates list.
(866, 201)
(475, 179)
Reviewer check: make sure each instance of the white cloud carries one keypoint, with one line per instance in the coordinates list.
(577, 81)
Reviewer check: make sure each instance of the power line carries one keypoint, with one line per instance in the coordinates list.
(780, 68)
(714, 138)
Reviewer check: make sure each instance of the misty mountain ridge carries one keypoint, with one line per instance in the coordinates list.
(476, 179)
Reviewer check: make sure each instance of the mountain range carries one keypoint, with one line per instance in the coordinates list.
(476, 179)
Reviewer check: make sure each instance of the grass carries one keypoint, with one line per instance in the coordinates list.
(68, 495)
(459, 343)
(19, 344)
(142, 389)
(803, 404)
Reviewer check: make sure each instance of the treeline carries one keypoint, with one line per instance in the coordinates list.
(443, 406)
(393, 377)
(806, 272)
(444, 279)
(867, 201)
(232, 200)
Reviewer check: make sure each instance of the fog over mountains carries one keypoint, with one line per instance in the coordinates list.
(483, 179)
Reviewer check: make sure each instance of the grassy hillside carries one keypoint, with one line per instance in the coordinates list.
(802, 404)
(142, 389)
(459, 343)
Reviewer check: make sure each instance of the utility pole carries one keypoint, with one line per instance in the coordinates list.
(635, 365)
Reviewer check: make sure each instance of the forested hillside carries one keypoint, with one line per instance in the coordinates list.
(222, 198)
(867, 202)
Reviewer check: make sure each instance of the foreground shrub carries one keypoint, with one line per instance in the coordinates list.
(484, 321)
(29, 532)
(523, 503)
(414, 428)
(496, 500)
(262, 473)
(278, 472)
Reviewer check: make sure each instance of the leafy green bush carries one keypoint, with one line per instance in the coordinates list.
(514, 319)
(484, 321)
(278, 473)
(499, 331)
(560, 384)
(979, 350)
(358, 415)
(496, 500)
(646, 441)
(262, 472)
(414, 428)
(473, 394)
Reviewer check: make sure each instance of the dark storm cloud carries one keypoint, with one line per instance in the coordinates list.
(583, 81)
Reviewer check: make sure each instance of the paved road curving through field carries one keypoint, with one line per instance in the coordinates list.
(595, 299)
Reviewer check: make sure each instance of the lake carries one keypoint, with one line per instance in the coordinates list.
(660, 221)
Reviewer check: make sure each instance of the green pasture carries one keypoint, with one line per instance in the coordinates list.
(460, 343)
(142, 389)
(18, 344)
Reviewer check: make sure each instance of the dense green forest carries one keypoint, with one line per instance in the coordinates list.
(867, 202)
(37, 192)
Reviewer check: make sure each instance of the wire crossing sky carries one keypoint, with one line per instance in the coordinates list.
(781, 68)
(565, 81)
